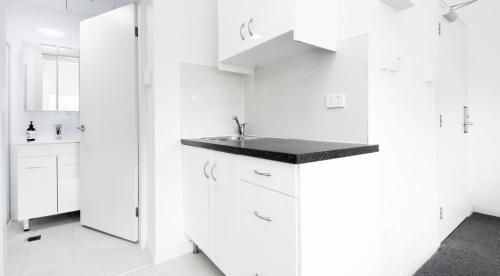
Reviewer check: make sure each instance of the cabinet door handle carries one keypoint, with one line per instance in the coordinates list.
(205, 170)
(243, 26)
(262, 217)
(212, 172)
(34, 168)
(250, 24)
(261, 173)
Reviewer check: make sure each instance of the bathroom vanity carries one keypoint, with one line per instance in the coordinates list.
(283, 207)
(45, 177)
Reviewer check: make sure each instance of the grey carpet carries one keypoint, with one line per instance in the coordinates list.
(473, 249)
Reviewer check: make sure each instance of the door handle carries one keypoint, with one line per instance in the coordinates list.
(250, 24)
(262, 217)
(242, 27)
(82, 128)
(261, 173)
(212, 172)
(205, 170)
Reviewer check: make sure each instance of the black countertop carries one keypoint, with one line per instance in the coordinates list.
(284, 150)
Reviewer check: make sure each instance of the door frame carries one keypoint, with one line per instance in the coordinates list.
(145, 152)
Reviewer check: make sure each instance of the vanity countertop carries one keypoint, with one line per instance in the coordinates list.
(45, 142)
(291, 151)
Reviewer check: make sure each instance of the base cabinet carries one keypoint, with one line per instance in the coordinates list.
(45, 180)
(255, 217)
(37, 186)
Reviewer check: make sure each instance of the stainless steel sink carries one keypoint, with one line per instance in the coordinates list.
(231, 138)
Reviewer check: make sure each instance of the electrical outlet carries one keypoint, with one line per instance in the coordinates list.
(335, 101)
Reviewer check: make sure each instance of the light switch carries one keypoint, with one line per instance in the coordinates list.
(335, 101)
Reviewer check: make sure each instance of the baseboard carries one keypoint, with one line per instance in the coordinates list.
(172, 252)
(424, 255)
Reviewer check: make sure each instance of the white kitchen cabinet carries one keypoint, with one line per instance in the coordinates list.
(271, 218)
(225, 212)
(197, 198)
(45, 179)
(259, 32)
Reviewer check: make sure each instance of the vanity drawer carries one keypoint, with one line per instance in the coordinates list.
(273, 175)
(270, 218)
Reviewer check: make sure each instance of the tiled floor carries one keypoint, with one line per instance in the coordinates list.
(67, 248)
(187, 265)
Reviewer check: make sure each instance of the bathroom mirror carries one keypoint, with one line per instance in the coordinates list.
(51, 78)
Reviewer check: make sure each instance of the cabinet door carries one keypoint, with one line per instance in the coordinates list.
(268, 19)
(225, 212)
(68, 186)
(197, 190)
(232, 15)
(37, 187)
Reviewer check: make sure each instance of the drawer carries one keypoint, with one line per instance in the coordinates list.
(256, 259)
(32, 150)
(270, 218)
(273, 175)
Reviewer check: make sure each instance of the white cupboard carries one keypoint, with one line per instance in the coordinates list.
(45, 180)
(258, 217)
(255, 33)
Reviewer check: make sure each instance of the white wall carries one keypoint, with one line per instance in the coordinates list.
(22, 21)
(184, 32)
(287, 99)
(483, 43)
(402, 120)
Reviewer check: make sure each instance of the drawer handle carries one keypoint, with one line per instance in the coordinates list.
(261, 173)
(34, 168)
(262, 217)
(205, 170)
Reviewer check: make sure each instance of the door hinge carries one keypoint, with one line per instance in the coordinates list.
(136, 31)
(441, 216)
(440, 120)
(137, 211)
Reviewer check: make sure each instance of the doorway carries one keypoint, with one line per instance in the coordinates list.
(75, 188)
(453, 193)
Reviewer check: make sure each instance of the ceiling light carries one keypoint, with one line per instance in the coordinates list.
(50, 32)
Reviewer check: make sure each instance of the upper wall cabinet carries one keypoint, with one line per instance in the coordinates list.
(258, 32)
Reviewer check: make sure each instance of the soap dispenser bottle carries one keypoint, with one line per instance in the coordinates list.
(31, 133)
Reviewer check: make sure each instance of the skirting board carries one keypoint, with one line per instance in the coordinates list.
(172, 252)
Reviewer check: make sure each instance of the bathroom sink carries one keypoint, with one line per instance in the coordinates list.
(231, 138)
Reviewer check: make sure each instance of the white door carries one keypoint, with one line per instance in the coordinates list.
(108, 110)
(197, 168)
(451, 99)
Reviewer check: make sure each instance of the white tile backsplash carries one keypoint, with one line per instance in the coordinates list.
(210, 98)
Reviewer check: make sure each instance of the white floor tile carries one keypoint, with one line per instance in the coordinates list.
(67, 248)
(187, 265)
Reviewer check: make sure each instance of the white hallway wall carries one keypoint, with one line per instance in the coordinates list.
(402, 115)
(403, 118)
(483, 58)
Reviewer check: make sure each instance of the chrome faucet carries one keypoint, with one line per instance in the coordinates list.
(241, 127)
